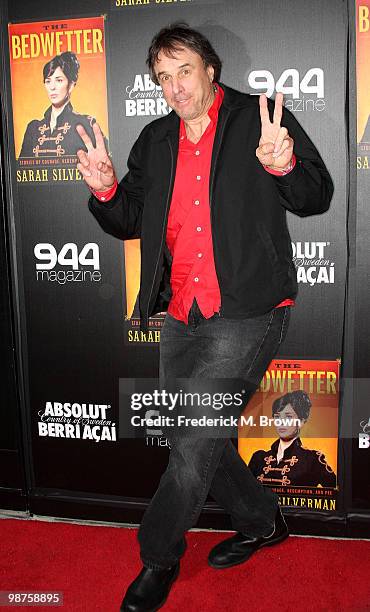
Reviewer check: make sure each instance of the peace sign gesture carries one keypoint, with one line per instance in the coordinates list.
(95, 165)
(275, 146)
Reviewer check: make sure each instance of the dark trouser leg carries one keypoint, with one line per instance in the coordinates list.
(251, 506)
(213, 348)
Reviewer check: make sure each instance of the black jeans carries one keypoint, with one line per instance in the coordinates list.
(210, 348)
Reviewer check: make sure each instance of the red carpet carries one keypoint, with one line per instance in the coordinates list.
(93, 566)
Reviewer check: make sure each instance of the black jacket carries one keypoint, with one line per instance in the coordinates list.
(299, 466)
(251, 242)
(39, 141)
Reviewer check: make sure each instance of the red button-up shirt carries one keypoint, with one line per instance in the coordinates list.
(189, 236)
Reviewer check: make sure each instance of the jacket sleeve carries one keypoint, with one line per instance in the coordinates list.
(324, 475)
(26, 150)
(308, 188)
(256, 462)
(121, 216)
(87, 121)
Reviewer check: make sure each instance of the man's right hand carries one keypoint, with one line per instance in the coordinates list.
(95, 165)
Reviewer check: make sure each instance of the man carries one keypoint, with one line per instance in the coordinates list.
(207, 191)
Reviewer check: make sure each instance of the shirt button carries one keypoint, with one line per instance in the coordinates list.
(200, 254)
(197, 152)
(199, 229)
(102, 198)
(196, 279)
(196, 202)
(198, 177)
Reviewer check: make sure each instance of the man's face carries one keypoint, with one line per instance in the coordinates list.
(186, 83)
(58, 88)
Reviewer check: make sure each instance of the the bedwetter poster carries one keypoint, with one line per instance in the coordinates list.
(58, 75)
(290, 436)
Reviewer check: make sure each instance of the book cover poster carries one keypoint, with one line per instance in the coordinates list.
(58, 76)
(133, 334)
(363, 77)
(290, 434)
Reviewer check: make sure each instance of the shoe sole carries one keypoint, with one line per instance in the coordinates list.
(232, 564)
(165, 599)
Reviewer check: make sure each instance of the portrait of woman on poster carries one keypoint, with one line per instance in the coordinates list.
(288, 462)
(55, 134)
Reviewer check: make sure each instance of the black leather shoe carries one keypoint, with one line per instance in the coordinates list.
(150, 589)
(240, 547)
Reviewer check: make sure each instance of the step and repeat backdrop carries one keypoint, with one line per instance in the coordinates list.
(80, 286)
(360, 486)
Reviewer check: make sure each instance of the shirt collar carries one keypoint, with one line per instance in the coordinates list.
(213, 111)
(56, 112)
(297, 443)
(68, 107)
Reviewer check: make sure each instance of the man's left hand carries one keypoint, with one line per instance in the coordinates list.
(275, 148)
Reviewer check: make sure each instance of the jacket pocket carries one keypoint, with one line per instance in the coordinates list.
(270, 248)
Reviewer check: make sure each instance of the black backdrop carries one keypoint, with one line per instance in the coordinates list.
(74, 343)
